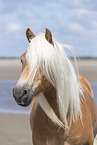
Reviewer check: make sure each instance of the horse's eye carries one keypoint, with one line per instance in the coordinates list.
(21, 61)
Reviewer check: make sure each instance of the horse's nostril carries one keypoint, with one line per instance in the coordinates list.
(25, 91)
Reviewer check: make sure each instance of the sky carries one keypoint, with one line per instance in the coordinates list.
(72, 22)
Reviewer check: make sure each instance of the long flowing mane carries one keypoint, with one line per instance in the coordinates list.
(58, 69)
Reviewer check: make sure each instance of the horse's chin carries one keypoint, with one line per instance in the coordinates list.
(25, 102)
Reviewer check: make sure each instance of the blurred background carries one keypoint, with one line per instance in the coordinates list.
(72, 22)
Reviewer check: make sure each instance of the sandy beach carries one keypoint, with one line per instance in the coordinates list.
(15, 129)
(11, 68)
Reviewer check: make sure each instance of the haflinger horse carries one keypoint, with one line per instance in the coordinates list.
(63, 110)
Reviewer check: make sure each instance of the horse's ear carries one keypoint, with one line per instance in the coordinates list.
(48, 36)
(29, 34)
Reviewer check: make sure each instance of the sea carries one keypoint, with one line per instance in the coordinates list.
(9, 105)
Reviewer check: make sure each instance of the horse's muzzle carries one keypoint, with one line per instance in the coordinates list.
(23, 96)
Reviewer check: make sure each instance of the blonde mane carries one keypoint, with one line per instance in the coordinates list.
(58, 69)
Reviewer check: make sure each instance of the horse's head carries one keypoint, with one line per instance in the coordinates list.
(25, 88)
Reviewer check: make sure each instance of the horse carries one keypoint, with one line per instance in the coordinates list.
(63, 110)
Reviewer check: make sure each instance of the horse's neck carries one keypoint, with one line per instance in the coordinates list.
(52, 100)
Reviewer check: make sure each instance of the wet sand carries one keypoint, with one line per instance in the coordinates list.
(15, 129)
